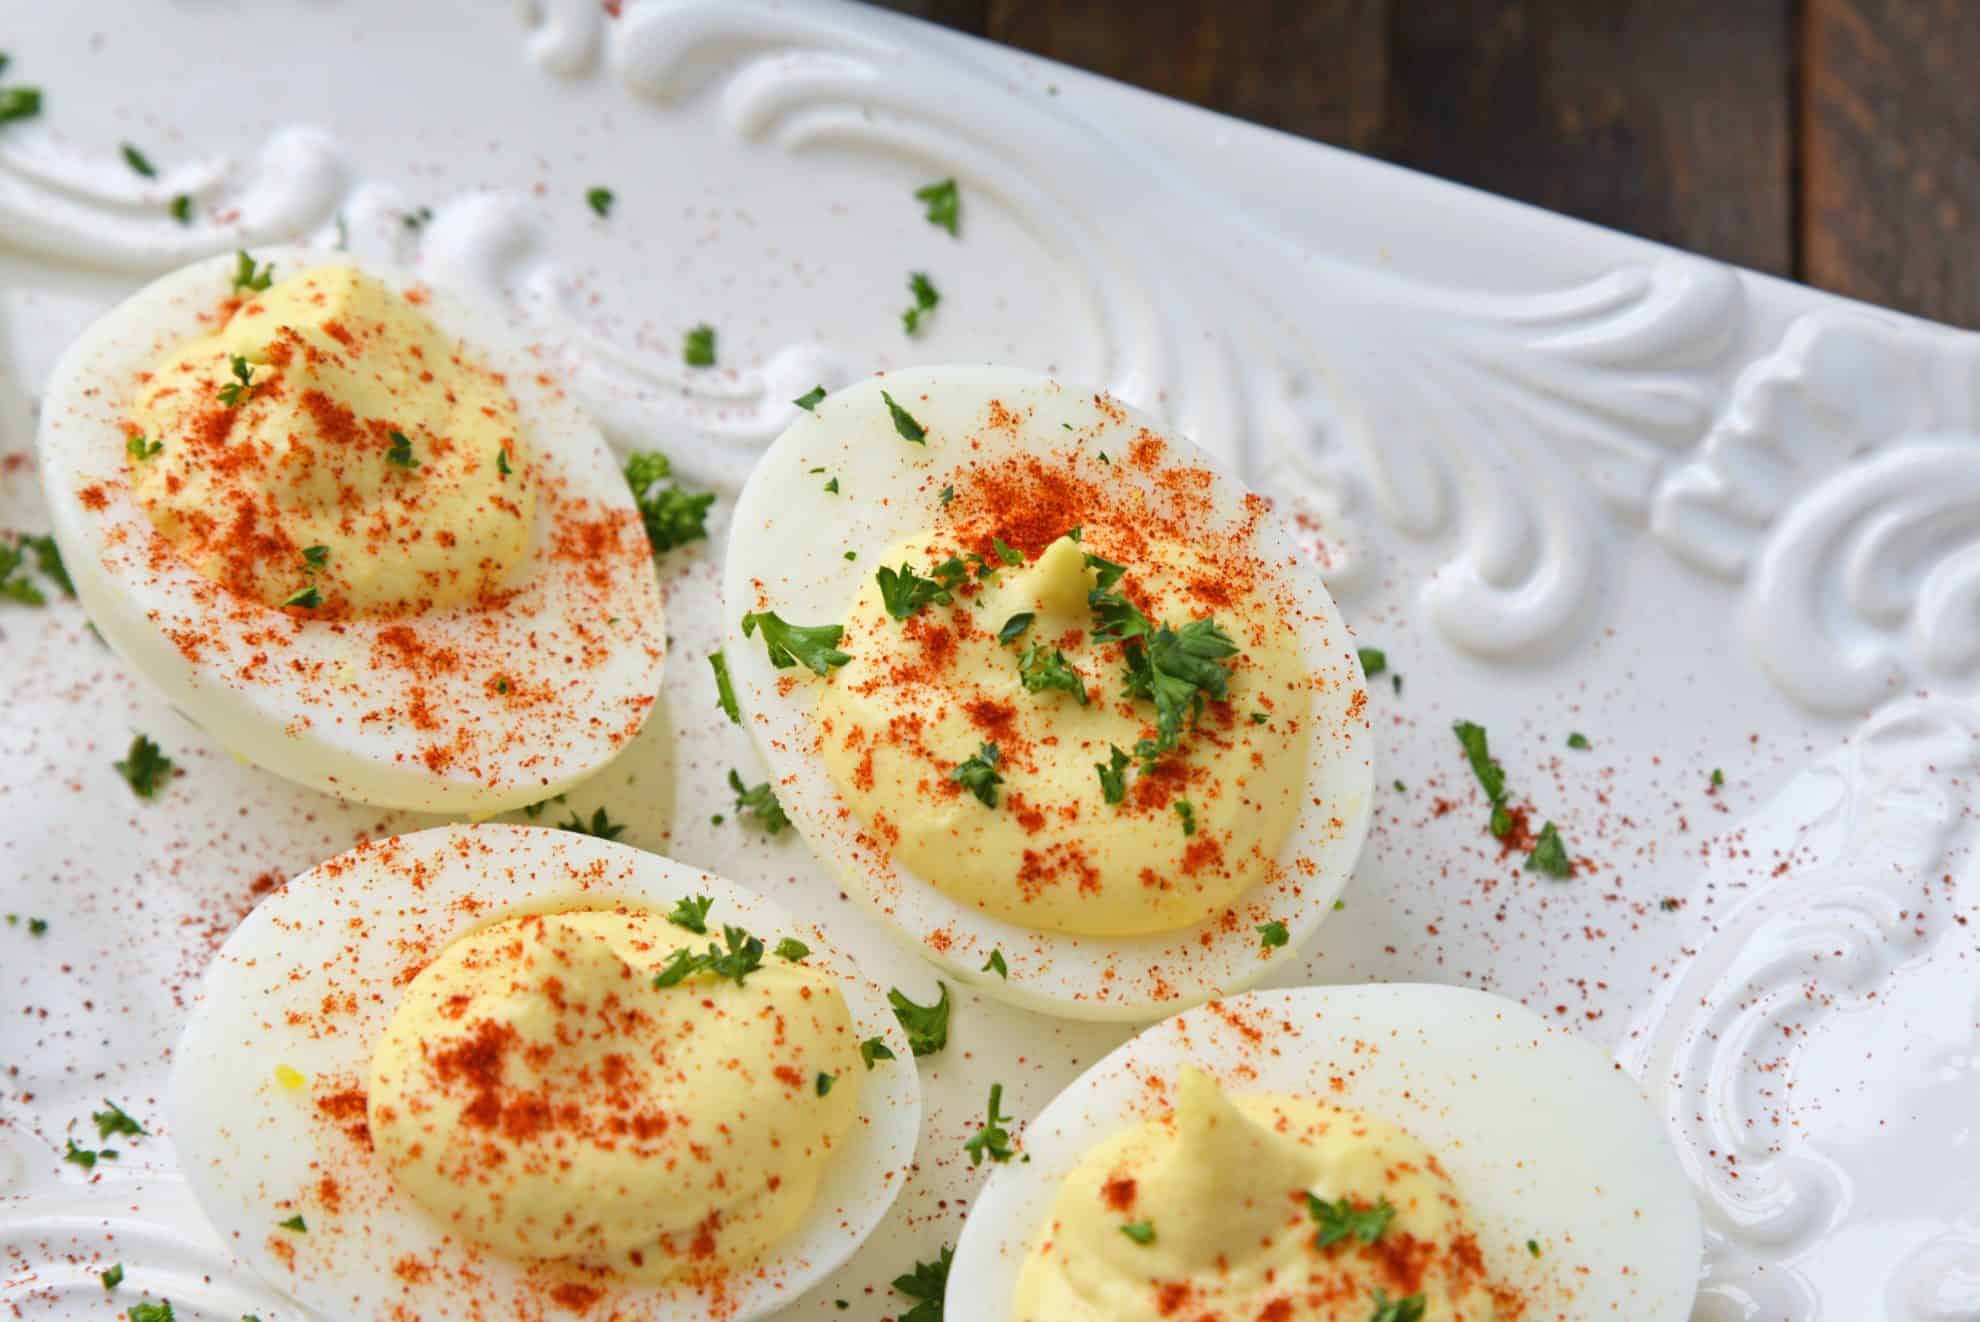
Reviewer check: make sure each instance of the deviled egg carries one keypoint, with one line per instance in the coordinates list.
(511, 1072)
(1401, 1153)
(1053, 693)
(354, 532)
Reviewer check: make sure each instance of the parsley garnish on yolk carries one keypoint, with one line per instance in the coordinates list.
(691, 912)
(1339, 1219)
(250, 277)
(1113, 775)
(978, 774)
(905, 592)
(241, 386)
(743, 956)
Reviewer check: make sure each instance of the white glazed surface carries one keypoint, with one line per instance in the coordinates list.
(1565, 479)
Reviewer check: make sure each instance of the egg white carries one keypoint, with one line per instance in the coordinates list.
(1543, 1136)
(361, 925)
(787, 547)
(315, 730)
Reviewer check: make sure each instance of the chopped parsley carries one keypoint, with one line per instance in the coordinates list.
(759, 802)
(1015, 626)
(673, 515)
(1187, 811)
(995, 964)
(698, 349)
(691, 912)
(1550, 857)
(925, 298)
(725, 689)
(1398, 1310)
(601, 825)
(182, 208)
(825, 1082)
(810, 399)
(416, 219)
(978, 774)
(308, 599)
(116, 1120)
(241, 386)
(249, 276)
(599, 200)
(48, 559)
(1491, 778)
(22, 103)
(873, 1049)
(315, 557)
(944, 205)
(1578, 740)
(1113, 775)
(1669, 904)
(145, 767)
(16, 586)
(791, 950)
(832, 487)
(904, 423)
(1039, 671)
(1342, 1218)
(87, 1157)
(743, 956)
(138, 161)
(502, 461)
(1007, 553)
(1180, 670)
(948, 494)
(149, 1312)
(815, 647)
(137, 447)
(904, 593)
(927, 1283)
(401, 452)
(1533, 1247)
(1141, 1232)
(927, 1026)
(113, 1278)
(991, 1139)
(295, 1223)
(1718, 778)
(1373, 661)
(1273, 934)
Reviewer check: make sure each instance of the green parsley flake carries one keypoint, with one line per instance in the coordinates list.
(673, 516)
(810, 399)
(691, 912)
(1273, 934)
(139, 162)
(149, 1312)
(502, 461)
(1039, 671)
(760, 803)
(948, 494)
(249, 276)
(1187, 811)
(904, 423)
(1491, 778)
(1344, 1217)
(925, 298)
(1718, 778)
(791, 950)
(137, 447)
(698, 349)
(145, 767)
(401, 452)
(927, 1026)
(308, 599)
(600, 201)
(600, 826)
(25, 103)
(743, 956)
(115, 1120)
(295, 1223)
(995, 964)
(1113, 775)
(241, 386)
(978, 774)
(315, 557)
(1015, 626)
(1578, 740)
(182, 208)
(944, 205)
(1141, 1232)
(825, 1082)
(1373, 661)
(113, 1278)
(1398, 1310)
(873, 1049)
(991, 1139)
(1550, 857)
(815, 647)
(928, 1283)
(725, 689)
(1533, 1247)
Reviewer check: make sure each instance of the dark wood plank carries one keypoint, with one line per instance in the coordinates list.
(1667, 118)
(963, 15)
(1312, 67)
(1891, 153)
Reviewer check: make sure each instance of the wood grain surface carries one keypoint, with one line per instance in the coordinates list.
(1833, 141)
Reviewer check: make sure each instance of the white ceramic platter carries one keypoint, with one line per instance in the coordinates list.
(1565, 480)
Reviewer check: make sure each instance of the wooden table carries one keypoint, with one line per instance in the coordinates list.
(1834, 141)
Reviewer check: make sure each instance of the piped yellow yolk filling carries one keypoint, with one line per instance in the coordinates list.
(328, 449)
(1271, 1207)
(537, 1094)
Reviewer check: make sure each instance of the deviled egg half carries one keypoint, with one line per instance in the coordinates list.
(354, 531)
(1052, 692)
(1399, 1153)
(510, 1072)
